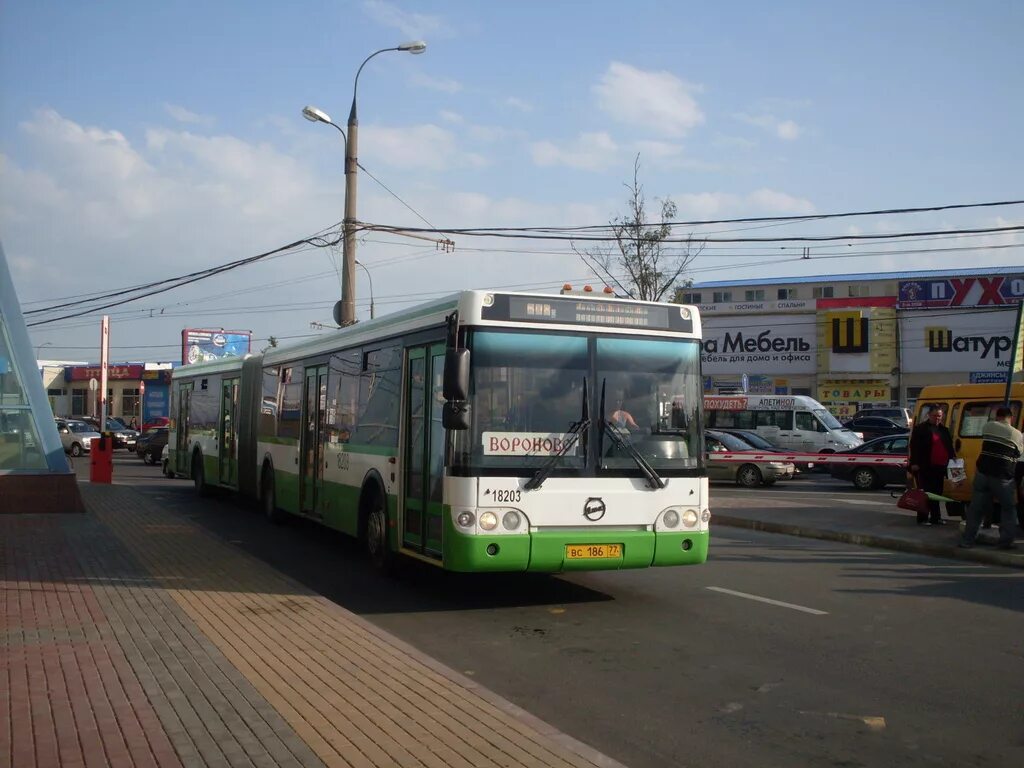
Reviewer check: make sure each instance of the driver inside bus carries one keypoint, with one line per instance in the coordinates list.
(621, 418)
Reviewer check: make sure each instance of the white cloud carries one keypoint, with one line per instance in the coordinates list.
(589, 152)
(451, 117)
(412, 25)
(183, 115)
(443, 84)
(761, 202)
(520, 104)
(657, 101)
(787, 130)
(428, 147)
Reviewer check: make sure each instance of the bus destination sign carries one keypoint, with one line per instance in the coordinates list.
(565, 310)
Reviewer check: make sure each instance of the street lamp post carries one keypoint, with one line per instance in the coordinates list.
(345, 312)
(369, 277)
(40, 348)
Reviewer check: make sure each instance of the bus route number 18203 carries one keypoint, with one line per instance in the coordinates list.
(502, 496)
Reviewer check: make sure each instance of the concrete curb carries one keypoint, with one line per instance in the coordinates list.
(984, 554)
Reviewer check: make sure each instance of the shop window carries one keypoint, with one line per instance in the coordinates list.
(823, 292)
(787, 293)
(859, 290)
(722, 297)
(754, 295)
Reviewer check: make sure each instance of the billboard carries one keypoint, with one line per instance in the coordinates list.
(199, 345)
(996, 291)
(964, 341)
(759, 344)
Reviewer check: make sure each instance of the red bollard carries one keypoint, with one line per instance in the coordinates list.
(101, 466)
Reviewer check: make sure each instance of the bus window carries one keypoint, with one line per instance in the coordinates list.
(976, 415)
(806, 422)
(780, 419)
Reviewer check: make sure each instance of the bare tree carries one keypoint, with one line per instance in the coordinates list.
(650, 262)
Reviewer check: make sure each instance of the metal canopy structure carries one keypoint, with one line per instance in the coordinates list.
(35, 475)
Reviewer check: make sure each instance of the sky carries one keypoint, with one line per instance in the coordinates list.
(145, 141)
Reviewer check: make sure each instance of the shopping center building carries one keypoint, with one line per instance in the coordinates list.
(856, 339)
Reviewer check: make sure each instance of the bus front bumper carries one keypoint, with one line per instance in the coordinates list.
(585, 550)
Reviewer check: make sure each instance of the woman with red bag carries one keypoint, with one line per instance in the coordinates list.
(931, 448)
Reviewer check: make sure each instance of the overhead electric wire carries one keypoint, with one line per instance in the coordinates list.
(524, 235)
(747, 220)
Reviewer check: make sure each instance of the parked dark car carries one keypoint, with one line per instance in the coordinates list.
(124, 436)
(150, 445)
(868, 477)
(875, 426)
(899, 415)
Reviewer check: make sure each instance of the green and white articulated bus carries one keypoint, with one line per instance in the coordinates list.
(486, 431)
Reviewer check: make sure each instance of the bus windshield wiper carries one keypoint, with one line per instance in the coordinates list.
(654, 480)
(577, 430)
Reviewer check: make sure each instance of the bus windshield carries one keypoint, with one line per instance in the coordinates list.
(529, 389)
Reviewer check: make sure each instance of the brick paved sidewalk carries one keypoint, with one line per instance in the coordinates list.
(132, 637)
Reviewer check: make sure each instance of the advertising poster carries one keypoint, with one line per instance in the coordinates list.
(199, 345)
(963, 340)
(759, 344)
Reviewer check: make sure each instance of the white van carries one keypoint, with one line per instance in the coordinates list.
(794, 422)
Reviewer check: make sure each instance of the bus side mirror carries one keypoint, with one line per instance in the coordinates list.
(455, 415)
(456, 374)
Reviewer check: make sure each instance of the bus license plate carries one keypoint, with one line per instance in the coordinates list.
(592, 551)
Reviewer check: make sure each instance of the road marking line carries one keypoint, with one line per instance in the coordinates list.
(768, 600)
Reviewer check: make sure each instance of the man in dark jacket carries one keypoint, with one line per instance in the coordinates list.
(931, 448)
(1001, 446)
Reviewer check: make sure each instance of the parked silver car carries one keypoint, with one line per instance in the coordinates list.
(747, 473)
(76, 436)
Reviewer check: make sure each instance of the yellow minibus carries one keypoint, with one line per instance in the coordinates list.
(967, 407)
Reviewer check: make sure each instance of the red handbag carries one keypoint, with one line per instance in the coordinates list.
(915, 500)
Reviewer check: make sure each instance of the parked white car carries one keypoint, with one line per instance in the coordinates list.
(76, 436)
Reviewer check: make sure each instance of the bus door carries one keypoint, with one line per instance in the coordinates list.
(228, 433)
(311, 449)
(423, 472)
(181, 457)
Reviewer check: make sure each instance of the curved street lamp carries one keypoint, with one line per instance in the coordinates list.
(345, 310)
(369, 277)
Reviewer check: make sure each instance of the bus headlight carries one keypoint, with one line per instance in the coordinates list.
(511, 520)
(488, 521)
(690, 518)
(670, 519)
(465, 519)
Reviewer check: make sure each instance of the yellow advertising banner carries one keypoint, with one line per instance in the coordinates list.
(838, 391)
(857, 340)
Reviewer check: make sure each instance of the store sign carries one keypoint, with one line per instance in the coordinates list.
(832, 391)
(857, 340)
(114, 372)
(741, 307)
(988, 377)
(765, 344)
(999, 290)
(967, 341)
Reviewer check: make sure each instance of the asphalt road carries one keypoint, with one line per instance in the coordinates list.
(778, 652)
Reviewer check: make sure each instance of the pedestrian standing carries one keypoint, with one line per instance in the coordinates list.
(931, 448)
(1001, 447)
